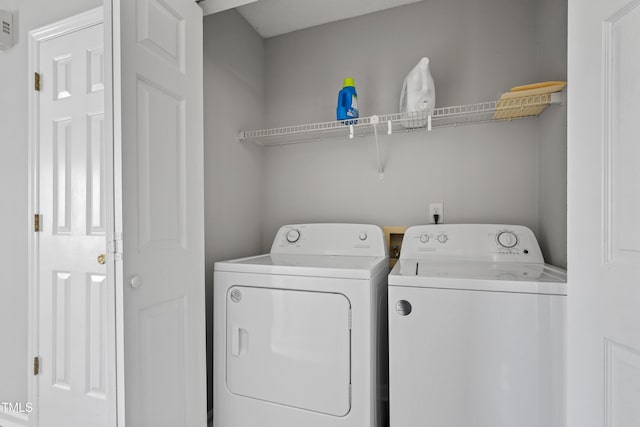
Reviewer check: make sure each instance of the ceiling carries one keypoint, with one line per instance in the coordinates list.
(274, 17)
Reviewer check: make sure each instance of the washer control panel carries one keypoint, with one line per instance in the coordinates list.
(473, 242)
(330, 239)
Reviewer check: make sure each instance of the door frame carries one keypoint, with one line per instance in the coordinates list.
(36, 37)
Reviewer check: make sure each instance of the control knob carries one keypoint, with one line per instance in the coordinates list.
(293, 236)
(363, 236)
(507, 239)
(424, 238)
(442, 238)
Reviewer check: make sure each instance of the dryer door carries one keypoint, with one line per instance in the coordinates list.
(290, 347)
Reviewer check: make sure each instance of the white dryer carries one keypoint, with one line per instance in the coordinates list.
(476, 330)
(300, 333)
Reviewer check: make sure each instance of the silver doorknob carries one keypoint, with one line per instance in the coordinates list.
(136, 282)
(102, 259)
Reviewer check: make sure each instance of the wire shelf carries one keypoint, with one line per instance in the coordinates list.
(515, 108)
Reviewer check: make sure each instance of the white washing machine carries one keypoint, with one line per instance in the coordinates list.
(476, 330)
(300, 333)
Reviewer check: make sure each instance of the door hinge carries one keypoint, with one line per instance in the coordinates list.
(114, 246)
(36, 222)
(36, 365)
(36, 81)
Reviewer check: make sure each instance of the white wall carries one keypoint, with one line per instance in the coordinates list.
(482, 173)
(552, 125)
(234, 99)
(14, 217)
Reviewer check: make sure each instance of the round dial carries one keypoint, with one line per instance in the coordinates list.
(442, 238)
(507, 239)
(293, 236)
(363, 236)
(424, 238)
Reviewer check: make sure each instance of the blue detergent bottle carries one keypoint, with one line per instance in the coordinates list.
(348, 102)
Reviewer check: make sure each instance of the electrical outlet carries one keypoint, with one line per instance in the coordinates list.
(436, 209)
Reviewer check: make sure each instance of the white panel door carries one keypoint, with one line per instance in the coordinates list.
(158, 136)
(282, 342)
(604, 213)
(74, 388)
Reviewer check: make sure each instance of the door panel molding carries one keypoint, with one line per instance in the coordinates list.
(161, 30)
(162, 191)
(621, 178)
(62, 134)
(162, 320)
(97, 329)
(61, 328)
(96, 175)
(622, 384)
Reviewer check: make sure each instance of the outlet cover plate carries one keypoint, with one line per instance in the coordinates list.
(436, 208)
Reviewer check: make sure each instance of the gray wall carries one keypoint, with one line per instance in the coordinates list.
(482, 173)
(13, 188)
(552, 124)
(233, 100)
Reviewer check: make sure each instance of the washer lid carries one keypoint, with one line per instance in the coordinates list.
(482, 276)
(337, 266)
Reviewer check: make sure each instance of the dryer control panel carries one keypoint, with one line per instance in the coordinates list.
(330, 239)
(471, 242)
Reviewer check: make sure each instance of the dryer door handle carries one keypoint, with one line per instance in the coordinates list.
(239, 340)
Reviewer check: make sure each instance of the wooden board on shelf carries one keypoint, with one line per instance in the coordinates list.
(525, 102)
